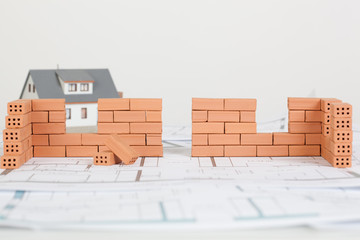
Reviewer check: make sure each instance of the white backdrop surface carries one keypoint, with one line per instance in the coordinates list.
(177, 50)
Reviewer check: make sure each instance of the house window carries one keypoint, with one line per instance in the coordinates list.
(72, 87)
(33, 88)
(68, 113)
(29, 87)
(84, 87)
(83, 113)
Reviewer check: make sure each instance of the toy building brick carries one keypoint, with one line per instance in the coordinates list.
(81, 89)
(227, 127)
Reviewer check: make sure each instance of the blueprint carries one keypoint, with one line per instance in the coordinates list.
(178, 191)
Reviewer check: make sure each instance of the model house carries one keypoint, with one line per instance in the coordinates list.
(81, 89)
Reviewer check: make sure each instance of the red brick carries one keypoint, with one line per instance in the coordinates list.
(326, 102)
(19, 107)
(224, 139)
(304, 103)
(247, 117)
(154, 104)
(307, 150)
(256, 139)
(145, 127)
(343, 110)
(207, 104)
(240, 104)
(127, 154)
(49, 151)
(40, 140)
(81, 151)
(48, 104)
(223, 116)
(39, 117)
(112, 104)
(200, 139)
(105, 116)
(240, 127)
(149, 151)
(296, 116)
(18, 121)
(153, 116)
(153, 140)
(199, 116)
(112, 128)
(313, 116)
(282, 138)
(313, 138)
(68, 139)
(272, 151)
(129, 116)
(104, 158)
(240, 151)
(57, 116)
(17, 134)
(207, 151)
(295, 127)
(49, 128)
(208, 128)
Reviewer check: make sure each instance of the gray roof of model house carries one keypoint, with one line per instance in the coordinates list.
(48, 85)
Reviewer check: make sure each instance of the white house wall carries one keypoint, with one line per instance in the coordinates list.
(76, 120)
(29, 95)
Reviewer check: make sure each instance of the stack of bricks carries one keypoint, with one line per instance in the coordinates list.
(17, 135)
(227, 127)
(224, 127)
(49, 129)
(337, 135)
(38, 128)
(137, 122)
(305, 120)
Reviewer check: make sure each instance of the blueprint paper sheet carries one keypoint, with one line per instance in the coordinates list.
(181, 192)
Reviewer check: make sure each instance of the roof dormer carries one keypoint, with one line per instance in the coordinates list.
(75, 82)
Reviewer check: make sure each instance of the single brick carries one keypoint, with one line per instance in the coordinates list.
(68, 139)
(57, 116)
(105, 158)
(112, 104)
(149, 151)
(199, 116)
(341, 123)
(145, 127)
(40, 140)
(19, 107)
(129, 116)
(296, 116)
(207, 151)
(208, 128)
(256, 139)
(240, 104)
(343, 110)
(48, 104)
(282, 138)
(207, 104)
(154, 104)
(295, 127)
(304, 103)
(49, 151)
(247, 116)
(12, 162)
(326, 117)
(340, 148)
(341, 136)
(326, 102)
(49, 128)
(17, 134)
(199, 139)
(240, 127)
(18, 121)
(336, 161)
(81, 151)
(272, 151)
(307, 150)
(153, 116)
(224, 139)
(326, 129)
(112, 128)
(240, 151)
(14, 148)
(223, 116)
(153, 140)
(313, 138)
(122, 150)
(313, 116)
(39, 117)
(105, 116)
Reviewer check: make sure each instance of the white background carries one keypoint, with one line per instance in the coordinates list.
(177, 50)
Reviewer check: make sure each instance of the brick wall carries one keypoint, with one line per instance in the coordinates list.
(227, 127)
(37, 128)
